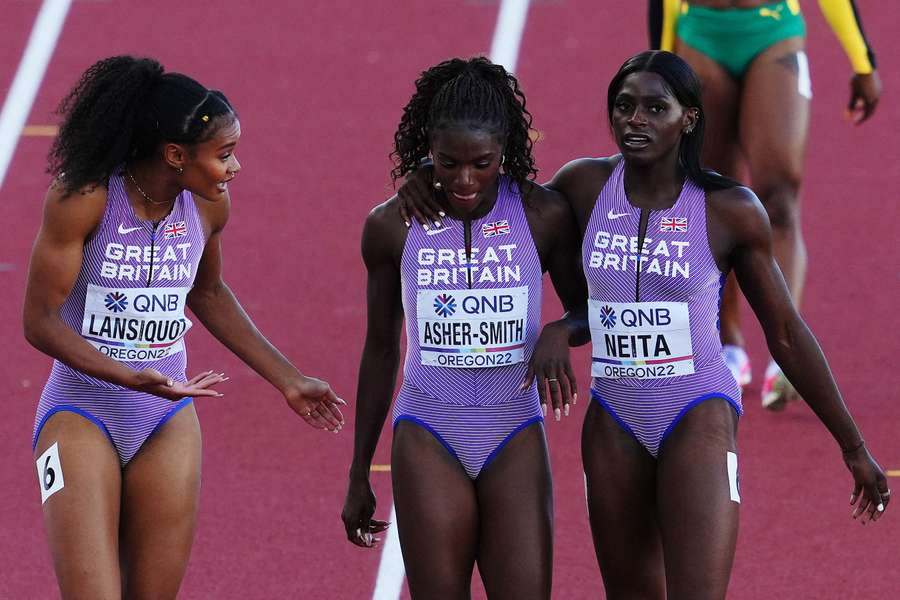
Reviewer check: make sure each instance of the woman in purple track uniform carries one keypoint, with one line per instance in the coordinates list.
(658, 442)
(658, 445)
(469, 462)
(130, 237)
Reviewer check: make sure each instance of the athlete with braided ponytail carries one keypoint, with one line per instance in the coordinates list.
(130, 237)
(469, 462)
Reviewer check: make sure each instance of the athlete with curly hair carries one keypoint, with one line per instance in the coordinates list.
(131, 235)
(469, 463)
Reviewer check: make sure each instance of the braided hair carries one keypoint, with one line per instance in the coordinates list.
(473, 92)
(122, 109)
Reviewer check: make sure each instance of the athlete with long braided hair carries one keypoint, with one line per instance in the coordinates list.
(470, 472)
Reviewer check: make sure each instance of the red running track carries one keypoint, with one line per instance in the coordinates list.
(320, 88)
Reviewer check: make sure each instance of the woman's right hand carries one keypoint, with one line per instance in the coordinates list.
(359, 506)
(416, 198)
(154, 382)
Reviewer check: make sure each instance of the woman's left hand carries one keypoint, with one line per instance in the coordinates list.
(316, 403)
(551, 366)
(870, 491)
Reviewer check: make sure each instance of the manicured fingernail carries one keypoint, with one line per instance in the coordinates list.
(442, 213)
(574, 398)
(425, 227)
(407, 223)
(437, 223)
(566, 410)
(169, 382)
(556, 413)
(881, 508)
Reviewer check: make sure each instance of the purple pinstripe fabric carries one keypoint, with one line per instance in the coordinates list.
(677, 267)
(128, 301)
(472, 411)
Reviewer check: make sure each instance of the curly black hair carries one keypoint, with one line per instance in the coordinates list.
(474, 91)
(122, 109)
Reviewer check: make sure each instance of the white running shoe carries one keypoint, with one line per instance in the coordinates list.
(738, 363)
(777, 391)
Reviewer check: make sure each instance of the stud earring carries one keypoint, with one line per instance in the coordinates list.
(437, 185)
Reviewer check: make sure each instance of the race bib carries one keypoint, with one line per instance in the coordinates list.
(135, 324)
(472, 328)
(640, 340)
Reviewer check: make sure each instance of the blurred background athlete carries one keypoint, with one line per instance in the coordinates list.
(750, 57)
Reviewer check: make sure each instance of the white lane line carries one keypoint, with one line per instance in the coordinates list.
(505, 51)
(508, 33)
(29, 75)
(391, 571)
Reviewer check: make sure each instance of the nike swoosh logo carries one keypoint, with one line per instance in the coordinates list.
(123, 230)
(437, 231)
(613, 216)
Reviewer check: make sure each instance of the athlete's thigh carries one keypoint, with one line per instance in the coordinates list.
(437, 515)
(515, 510)
(620, 479)
(698, 502)
(774, 119)
(160, 488)
(82, 518)
(721, 103)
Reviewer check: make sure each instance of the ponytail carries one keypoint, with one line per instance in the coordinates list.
(122, 109)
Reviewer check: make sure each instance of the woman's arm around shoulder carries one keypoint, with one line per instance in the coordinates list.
(580, 181)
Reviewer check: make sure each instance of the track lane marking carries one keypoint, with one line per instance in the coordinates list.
(35, 58)
(40, 131)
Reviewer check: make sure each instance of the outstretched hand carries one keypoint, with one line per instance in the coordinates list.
(416, 199)
(316, 403)
(154, 382)
(359, 506)
(865, 91)
(870, 494)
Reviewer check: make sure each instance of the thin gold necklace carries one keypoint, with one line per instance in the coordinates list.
(142, 192)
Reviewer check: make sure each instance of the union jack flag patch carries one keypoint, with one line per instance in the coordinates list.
(175, 230)
(495, 228)
(673, 224)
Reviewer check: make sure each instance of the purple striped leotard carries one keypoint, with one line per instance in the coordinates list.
(655, 355)
(128, 302)
(471, 325)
